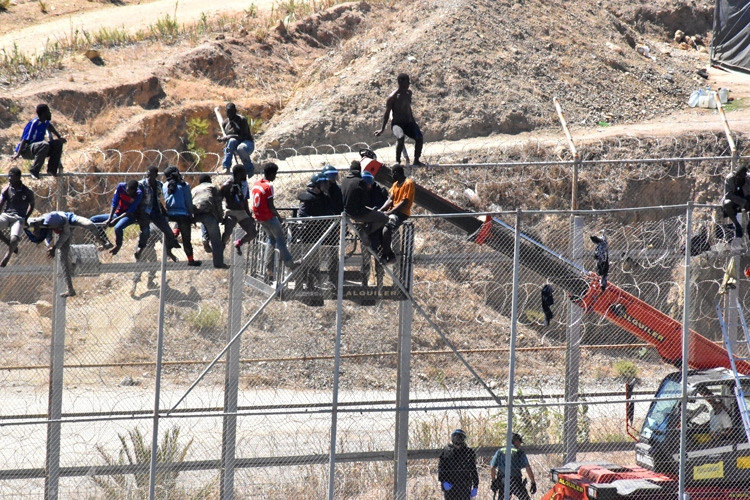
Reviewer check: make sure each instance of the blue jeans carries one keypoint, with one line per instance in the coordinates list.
(277, 239)
(243, 149)
(126, 221)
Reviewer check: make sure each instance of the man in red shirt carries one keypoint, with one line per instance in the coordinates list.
(266, 214)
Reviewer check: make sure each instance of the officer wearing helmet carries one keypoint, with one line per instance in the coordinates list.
(518, 462)
(457, 469)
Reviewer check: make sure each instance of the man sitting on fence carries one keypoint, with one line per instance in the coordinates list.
(179, 203)
(356, 197)
(239, 139)
(397, 207)
(207, 210)
(126, 210)
(16, 204)
(266, 214)
(154, 210)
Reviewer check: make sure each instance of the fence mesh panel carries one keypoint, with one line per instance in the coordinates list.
(283, 365)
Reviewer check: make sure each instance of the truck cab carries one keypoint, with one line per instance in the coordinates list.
(717, 448)
(718, 452)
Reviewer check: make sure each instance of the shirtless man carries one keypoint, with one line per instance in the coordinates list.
(403, 124)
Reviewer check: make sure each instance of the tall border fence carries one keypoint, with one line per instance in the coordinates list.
(344, 378)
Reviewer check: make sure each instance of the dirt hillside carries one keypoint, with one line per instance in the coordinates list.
(479, 67)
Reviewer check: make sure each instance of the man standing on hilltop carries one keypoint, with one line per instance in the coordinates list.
(239, 140)
(34, 146)
(403, 123)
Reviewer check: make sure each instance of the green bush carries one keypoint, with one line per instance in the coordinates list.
(205, 320)
(626, 370)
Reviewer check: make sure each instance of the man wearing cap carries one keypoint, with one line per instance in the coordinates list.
(356, 196)
(34, 146)
(403, 124)
(42, 229)
(312, 203)
(457, 469)
(334, 197)
(16, 204)
(518, 462)
(239, 140)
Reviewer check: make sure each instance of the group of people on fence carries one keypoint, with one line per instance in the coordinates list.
(459, 479)
(153, 204)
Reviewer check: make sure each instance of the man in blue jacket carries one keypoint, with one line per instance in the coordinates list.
(179, 203)
(34, 146)
(126, 210)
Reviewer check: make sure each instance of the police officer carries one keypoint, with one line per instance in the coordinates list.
(518, 462)
(457, 469)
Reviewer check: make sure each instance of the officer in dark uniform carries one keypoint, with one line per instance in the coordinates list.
(457, 469)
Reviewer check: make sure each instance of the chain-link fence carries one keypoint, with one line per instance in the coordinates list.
(347, 377)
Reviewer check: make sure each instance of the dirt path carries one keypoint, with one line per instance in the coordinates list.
(31, 39)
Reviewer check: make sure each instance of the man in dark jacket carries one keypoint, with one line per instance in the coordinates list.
(16, 204)
(334, 196)
(235, 193)
(356, 197)
(457, 469)
(313, 203)
(239, 140)
(736, 198)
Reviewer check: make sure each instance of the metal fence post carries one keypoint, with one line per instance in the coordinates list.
(573, 353)
(231, 379)
(685, 351)
(337, 359)
(57, 358)
(405, 314)
(512, 353)
(157, 383)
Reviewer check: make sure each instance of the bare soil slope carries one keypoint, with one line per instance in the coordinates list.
(489, 66)
(479, 68)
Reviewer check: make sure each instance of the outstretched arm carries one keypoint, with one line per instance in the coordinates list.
(387, 114)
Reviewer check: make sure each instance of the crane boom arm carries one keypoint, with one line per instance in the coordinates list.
(613, 304)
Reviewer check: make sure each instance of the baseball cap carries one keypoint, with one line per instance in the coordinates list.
(367, 177)
(517, 437)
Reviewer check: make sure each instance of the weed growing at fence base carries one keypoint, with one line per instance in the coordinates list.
(137, 450)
